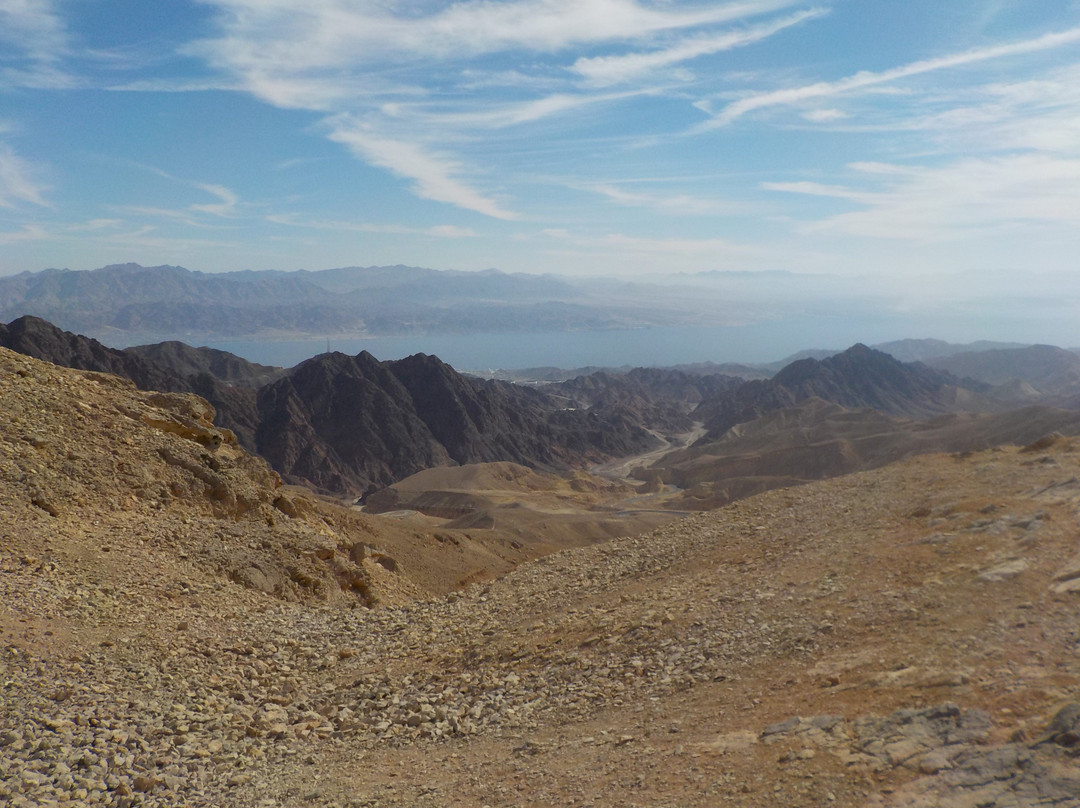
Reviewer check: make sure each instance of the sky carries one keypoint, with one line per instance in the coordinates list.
(871, 138)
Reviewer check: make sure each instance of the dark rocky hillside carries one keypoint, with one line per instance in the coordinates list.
(1051, 371)
(658, 398)
(35, 337)
(351, 424)
(858, 377)
(340, 422)
(183, 360)
(202, 371)
(816, 439)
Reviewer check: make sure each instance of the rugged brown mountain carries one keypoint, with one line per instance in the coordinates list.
(1052, 372)
(214, 375)
(40, 339)
(354, 424)
(342, 423)
(858, 377)
(348, 425)
(183, 360)
(658, 398)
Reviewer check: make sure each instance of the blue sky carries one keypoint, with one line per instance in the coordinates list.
(876, 138)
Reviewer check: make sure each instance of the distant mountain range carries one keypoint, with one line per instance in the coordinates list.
(1051, 374)
(858, 377)
(125, 303)
(905, 350)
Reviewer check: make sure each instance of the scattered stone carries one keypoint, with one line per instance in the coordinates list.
(1004, 572)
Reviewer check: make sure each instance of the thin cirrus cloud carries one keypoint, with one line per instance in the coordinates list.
(379, 66)
(32, 29)
(509, 114)
(277, 34)
(28, 232)
(973, 196)
(607, 70)
(33, 42)
(864, 80)
(824, 115)
(673, 204)
(434, 177)
(449, 231)
(1038, 114)
(226, 204)
(17, 185)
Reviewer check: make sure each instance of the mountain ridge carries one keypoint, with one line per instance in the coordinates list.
(857, 377)
(350, 425)
(130, 303)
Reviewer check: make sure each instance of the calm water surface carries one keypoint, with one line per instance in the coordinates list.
(760, 342)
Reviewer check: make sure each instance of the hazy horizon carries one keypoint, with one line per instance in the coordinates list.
(717, 316)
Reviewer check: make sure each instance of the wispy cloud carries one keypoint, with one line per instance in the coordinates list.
(438, 231)
(33, 42)
(351, 32)
(969, 198)
(149, 237)
(226, 207)
(29, 232)
(821, 189)
(824, 115)
(16, 181)
(33, 28)
(174, 85)
(395, 78)
(1041, 113)
(865, 80)
(514, 113)
(95, 225)
(674, 204)
(607, 70)
(434, 176)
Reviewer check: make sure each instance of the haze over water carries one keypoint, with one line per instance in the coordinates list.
(644, 347)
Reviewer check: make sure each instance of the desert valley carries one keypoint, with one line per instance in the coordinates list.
(841, 580)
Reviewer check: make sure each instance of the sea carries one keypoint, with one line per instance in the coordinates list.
(639, 347)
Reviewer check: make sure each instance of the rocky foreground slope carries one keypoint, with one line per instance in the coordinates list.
(904, 637)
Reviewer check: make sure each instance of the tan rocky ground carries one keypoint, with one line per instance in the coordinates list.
(543, 511)
(903, 637)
